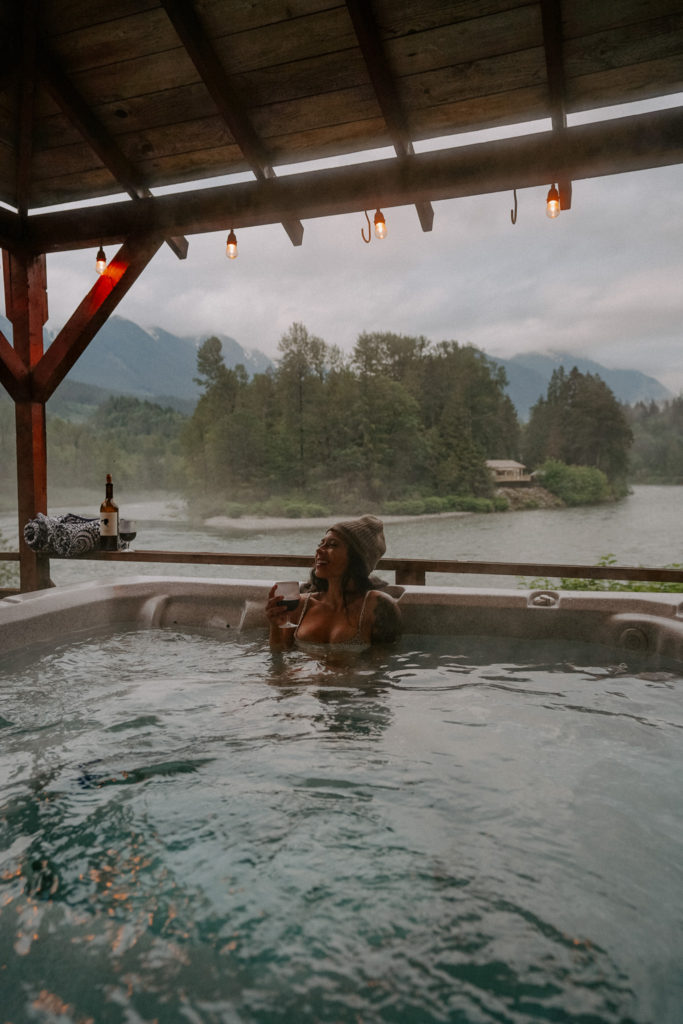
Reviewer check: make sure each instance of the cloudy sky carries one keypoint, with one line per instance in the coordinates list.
(604, 280)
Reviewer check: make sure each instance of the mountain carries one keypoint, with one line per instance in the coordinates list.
(153, 364)
(529, 374)
(124, 358)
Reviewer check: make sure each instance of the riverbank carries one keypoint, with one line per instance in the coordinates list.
(518, 499)
(521, 498)
(247, 523)
(173, 509)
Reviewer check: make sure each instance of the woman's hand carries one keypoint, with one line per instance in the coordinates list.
(275, 610)
(277, 614)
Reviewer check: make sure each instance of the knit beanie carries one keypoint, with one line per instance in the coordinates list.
(366, 536)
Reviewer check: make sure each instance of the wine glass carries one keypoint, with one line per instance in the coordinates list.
(287, 594)
(127, 530)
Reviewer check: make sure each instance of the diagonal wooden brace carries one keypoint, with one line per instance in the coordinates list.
(97, 306)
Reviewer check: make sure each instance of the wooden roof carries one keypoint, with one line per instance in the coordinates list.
(99, 99)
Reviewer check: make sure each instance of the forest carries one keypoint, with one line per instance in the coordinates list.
(657, 452)
(398, 424)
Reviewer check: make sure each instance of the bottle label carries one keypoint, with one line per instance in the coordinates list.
(109, 524)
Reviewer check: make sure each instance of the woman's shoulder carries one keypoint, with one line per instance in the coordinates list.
(386, 625)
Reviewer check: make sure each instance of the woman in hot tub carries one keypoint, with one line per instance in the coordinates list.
(341, 610)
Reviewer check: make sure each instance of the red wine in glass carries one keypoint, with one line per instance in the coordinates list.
(127, 530)
(287, 594)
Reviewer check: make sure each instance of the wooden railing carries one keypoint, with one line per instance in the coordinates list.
(407, 570)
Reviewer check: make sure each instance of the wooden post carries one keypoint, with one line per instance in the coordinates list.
(408, 574)
(26, 304)
(31, 375)
(34, 569)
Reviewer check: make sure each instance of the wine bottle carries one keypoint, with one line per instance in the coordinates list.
(109, 519)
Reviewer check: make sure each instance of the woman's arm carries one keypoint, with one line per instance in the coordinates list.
(386, 623)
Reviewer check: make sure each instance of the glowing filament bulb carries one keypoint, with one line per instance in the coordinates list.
(231, 247)
(100, 261)
(380, 225)
(552, 207)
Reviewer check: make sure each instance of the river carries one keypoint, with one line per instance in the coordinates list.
(642, 529)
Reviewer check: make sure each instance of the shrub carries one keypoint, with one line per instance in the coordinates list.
(435, 505)
(574, 485)
(466, 503)
(405, 507)
(300, 509)
(571, 583)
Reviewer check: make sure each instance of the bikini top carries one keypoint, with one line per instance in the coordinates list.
(356, 643)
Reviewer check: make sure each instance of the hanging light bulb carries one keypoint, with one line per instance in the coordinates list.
(380, 225)
(231, 246)
(100, 261)
(552, 203)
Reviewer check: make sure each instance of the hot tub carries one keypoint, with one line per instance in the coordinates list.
(648, 623)
(481, 823)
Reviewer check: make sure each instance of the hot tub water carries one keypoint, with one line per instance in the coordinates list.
(469, 830)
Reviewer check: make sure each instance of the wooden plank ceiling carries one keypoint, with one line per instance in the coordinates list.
(102, 99)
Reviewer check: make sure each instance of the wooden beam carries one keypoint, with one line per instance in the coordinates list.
(10, 47)
(585, 151)
(10, 229)
(553, 43)
(74, 107)
(25, 280)
(202, 54)
(26, 307)
(77, 111)
(551, 16)
(100, 302)
(383, 82)
(34, 568)
(27, 90)
(415, 567)
(9, 64)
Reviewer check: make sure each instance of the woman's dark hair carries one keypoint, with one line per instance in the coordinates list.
(354, 581)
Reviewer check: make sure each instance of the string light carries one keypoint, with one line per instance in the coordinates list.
(100, 261)
(552, 203)
(380, 227)
(231, 246)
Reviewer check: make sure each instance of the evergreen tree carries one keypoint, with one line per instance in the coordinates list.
(304, 365)
(657, 454)
(579, 423)
(214, 456)
(396, 357)
(468, 416)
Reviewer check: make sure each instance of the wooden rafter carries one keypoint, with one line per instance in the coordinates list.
(585, 151)
(189, 30)
(74, 107)
(383, 82)
(553, 42)
(301, 84)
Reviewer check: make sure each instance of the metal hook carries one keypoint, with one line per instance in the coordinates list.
(513, 213)
(362, 230)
